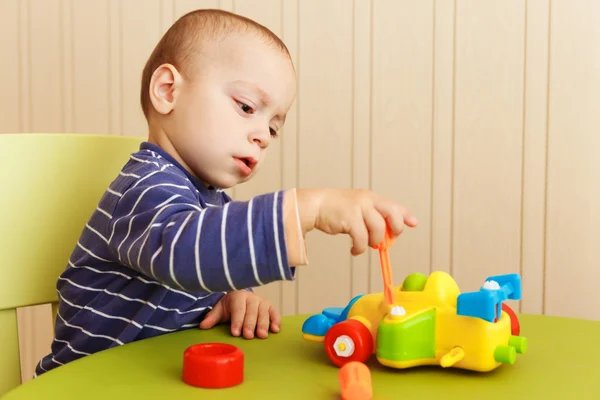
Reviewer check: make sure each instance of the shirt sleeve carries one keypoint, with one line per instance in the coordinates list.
(159, 229)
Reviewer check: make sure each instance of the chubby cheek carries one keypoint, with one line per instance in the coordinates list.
(221, 121)
(200, 110)
(187, 119)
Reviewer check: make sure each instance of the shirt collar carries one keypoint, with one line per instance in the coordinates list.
(205, 191)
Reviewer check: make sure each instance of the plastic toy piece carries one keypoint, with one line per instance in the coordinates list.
(349, 340)
(487, 302)
(414, 282)
(213, 365)
(452, 357)
(355, 381)
(386, 270)
(317, 325)
(515, 327)
(424, 326)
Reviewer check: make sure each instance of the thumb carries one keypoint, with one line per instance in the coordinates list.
(213, 317)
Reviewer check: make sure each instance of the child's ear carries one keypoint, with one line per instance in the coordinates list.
(164, 88)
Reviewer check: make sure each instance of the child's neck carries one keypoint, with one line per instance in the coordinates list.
(158, 136)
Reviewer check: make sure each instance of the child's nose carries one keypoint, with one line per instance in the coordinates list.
(262, 137)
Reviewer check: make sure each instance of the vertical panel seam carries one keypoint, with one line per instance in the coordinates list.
(220, 7)
(546, 161)
(29, 93)
(19, 68)
(370, 174)
(353, 129)
(370, 122)
(453, 141)
(109, 61)
(298, 125)
(24, 65)
(162, 28)
(72, 38)
(523, 147)
(120, 70)
(433, 130)
(281, 146)
(61, 52)
(19, 350)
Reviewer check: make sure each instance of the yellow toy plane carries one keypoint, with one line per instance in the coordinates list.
(425, 321)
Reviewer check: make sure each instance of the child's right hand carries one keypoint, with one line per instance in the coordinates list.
(360, 213)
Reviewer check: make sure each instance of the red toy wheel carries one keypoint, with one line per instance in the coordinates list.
(349, 340)
(515, 327)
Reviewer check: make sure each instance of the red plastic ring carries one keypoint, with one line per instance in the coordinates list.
(213, 365)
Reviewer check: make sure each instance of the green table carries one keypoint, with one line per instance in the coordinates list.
(562, 361)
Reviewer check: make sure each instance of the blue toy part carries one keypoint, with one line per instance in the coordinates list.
(510, 284)
(319, 324)
(333, 312)
(487, 302)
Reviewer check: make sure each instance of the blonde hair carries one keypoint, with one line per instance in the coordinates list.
(181, 44)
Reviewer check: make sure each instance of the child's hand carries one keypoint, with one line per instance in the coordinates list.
(359, 213)
(246, 311)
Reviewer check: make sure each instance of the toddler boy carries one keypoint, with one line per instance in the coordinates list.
(166, 248)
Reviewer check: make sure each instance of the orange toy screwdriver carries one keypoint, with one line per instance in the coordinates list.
(386, 271)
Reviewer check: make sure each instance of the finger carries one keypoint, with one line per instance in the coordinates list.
(376, 225)
(411, 220)
(213, 317)
(237, 309)
(396, 216)
(263, 321)
(360, 236)
(275, 319)
(252, 304)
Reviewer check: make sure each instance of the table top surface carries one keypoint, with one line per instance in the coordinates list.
(562, 360)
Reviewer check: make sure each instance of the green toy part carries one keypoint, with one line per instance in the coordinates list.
(408, 340)
(414, 282)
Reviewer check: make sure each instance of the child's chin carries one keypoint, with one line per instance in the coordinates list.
(227, 182)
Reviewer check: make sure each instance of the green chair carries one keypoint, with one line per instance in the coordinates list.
(49, 186)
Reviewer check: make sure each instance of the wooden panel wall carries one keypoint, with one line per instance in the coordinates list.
(480, 116)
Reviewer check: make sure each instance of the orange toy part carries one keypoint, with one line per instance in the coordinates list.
(386, 270)
(355, 381)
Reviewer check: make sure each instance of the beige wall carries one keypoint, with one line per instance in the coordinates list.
(481, 116)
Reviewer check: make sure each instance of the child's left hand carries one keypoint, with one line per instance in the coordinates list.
(245, 310)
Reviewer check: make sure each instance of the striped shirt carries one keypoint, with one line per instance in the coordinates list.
(156, 255)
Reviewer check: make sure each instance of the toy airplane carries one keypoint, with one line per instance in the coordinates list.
(425, 321)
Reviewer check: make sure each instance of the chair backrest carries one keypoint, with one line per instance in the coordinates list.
(49, 186)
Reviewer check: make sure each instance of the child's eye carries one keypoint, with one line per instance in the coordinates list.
(273, 132)
(245, 108)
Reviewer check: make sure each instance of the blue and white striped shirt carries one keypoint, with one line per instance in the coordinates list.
(156, 255)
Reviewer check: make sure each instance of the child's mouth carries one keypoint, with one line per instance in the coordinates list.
(245, 165)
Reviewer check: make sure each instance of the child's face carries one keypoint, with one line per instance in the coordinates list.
(223, 119)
